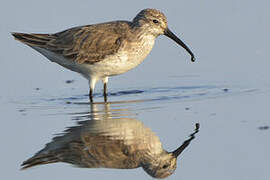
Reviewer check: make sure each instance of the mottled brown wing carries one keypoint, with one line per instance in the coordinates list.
(88, 145)
(89, 44)
(83, 44)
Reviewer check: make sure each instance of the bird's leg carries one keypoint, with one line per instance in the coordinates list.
(91, 95)
(105, 92)
(92, 83)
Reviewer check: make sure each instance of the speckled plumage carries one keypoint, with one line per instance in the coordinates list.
(102, 50)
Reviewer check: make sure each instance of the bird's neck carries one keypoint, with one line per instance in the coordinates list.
(153, 159)
(142, 33)
(141, 30)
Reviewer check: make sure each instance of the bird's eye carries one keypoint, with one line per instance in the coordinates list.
(155, 21)
(165, 166)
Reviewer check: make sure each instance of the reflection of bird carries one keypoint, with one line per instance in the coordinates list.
(112, 143)
(103, 50)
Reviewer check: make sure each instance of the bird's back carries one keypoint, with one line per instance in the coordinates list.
(83, 44)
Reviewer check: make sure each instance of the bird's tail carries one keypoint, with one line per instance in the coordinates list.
(39, 159)
(39, 40)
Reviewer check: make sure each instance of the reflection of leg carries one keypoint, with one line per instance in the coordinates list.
(105, 92)
(105, 81)
(91, 95)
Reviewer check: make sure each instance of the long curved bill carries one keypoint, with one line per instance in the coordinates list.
(179, 150)
(169, 34)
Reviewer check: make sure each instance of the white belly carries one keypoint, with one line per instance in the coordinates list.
(113, 65)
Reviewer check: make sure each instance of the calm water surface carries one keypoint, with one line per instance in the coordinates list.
(228, 139)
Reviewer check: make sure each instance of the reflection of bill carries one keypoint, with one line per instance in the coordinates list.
(122, 143)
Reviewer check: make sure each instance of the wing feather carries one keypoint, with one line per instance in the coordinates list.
(83, 44)
(90, 44)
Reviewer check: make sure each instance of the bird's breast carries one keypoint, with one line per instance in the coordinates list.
(133, 53)
(139, 49)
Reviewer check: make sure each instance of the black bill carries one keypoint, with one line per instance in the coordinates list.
(179, 150)
(178, 41)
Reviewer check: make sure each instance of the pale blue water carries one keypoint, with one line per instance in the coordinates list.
(227, 90)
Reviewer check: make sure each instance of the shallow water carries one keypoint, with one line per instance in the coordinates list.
(229, 136)
(227, 90)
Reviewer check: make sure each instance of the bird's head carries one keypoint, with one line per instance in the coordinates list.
(162, 168)
(154, 22)
(165, 164)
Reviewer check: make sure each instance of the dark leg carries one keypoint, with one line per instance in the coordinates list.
(105, 92)
(91, 95)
